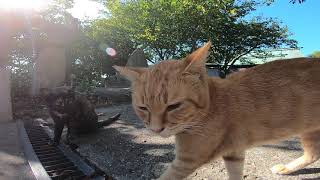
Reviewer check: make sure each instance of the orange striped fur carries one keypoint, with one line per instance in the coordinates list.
(212, 117)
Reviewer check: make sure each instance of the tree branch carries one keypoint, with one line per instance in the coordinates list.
(225, 68)
(242, 54)
(151, 61)
(160, 53)
(194, 44)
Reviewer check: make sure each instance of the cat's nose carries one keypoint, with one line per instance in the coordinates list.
(157, 130)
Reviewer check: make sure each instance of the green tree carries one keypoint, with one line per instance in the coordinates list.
(295, 1)
(57, 12)
(172, 29)
(315, 54)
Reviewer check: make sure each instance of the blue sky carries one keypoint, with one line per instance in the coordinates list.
(303, 20)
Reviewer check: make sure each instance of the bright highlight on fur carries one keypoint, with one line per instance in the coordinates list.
(213, 117)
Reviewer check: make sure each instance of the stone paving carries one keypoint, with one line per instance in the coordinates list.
(13, 165)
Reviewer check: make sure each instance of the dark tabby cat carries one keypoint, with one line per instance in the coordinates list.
(77, 113)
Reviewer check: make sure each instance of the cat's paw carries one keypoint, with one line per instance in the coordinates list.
(280, 169)
(53, 143)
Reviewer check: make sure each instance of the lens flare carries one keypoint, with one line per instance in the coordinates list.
(111, 52)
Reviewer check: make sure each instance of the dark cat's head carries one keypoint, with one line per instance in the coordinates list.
(57, 96)
(170, 97)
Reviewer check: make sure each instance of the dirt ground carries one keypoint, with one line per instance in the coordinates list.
(125, 150)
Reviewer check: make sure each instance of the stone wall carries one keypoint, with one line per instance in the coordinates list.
(5, 97)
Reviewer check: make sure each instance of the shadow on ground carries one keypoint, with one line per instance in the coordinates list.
(306, 171)
(126, 151)
(289, 145)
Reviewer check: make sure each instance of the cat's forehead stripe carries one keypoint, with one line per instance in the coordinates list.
(157, 80)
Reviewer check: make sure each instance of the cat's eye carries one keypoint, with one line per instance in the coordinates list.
(174, 106)
(143, 108)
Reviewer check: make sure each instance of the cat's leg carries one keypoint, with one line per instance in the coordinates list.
(68, 131)
(191, 153)
(181, 168)
(311, 147)
(58, 128)
(234, 163)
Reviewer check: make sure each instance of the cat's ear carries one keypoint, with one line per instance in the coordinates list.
(130, 73)
(44, 92)
(198, 58)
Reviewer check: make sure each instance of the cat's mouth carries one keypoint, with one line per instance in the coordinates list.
(165, 133)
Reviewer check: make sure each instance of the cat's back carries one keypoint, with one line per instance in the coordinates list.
(298, 70)
(288, 65)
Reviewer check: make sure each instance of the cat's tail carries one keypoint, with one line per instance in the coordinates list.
(109, 121)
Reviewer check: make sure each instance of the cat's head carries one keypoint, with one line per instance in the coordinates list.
(56, 96)
(171, 96)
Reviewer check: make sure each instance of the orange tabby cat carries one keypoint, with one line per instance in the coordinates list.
(212, 117)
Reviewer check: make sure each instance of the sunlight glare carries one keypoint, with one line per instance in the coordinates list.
(23, 4)
(86, 9)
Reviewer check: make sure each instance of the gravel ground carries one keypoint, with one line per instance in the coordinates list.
(125, 150)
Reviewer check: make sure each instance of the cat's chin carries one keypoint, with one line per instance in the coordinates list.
(167, 133)
(164, 133)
